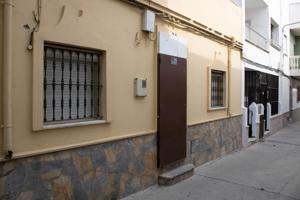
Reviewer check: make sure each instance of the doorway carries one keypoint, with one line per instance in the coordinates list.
(172, 119)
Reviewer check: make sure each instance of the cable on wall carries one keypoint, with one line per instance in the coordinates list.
(183, 22)
(37, 19)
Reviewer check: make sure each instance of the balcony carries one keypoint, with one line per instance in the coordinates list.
(255, 38)
(295, 65)
(257, 26)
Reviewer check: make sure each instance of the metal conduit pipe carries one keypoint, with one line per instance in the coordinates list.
(7, 78)
(228, 79)
(229, 65)
(183, 21)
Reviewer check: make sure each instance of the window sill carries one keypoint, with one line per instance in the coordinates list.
(258, 46)
(75, 124)
(275, 45)
(216, 108)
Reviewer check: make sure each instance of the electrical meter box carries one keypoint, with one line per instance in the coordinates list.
(149, 21)
(140, 87)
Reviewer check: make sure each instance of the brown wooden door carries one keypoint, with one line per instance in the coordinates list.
(261, 127)
(171, 109)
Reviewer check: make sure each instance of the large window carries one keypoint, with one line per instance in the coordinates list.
(71, 84)
(217, 89)
(262, 88)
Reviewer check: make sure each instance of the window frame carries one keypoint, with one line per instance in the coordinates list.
(79, 50)
(225, 85)
(274, 34)
(93, 43)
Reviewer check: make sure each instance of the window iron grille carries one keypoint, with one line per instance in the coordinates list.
(71, 84)
(217, 88)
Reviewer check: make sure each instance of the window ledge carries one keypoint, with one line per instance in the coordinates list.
(258, 46)
(217, 108)
(275, 45)
(75, 124)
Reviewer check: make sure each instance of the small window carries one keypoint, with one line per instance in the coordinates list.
(274, 33)
(72, 86)
(217, 89)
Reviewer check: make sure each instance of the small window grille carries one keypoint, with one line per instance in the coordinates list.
(71, 84)
(217, 88)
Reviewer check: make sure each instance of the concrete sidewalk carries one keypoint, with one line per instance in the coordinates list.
(268, 170)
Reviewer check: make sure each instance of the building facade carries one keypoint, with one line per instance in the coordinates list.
(266, 68)
(292, 54)
(99, 98)
(271, 66)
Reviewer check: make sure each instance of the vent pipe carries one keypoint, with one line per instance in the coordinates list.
(7, 78)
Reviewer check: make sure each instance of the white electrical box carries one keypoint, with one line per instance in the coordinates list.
(140, 87)
(149, 21)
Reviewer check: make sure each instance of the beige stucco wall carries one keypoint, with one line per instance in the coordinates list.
(1, 50)
(112, 26)
(222, 15)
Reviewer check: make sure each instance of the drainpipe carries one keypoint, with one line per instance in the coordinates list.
(7, 78)
(229, 65)
(228, 77)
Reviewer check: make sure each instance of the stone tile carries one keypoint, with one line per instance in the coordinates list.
(110, 154)
(62, 188)
(47, 158)
(83, 164)
(104, 171)
(2, 186)
(123, 183)
(8, 167)
(25, 195)
(51, 174)
(210, 140)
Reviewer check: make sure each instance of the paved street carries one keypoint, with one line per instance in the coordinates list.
(268, 170)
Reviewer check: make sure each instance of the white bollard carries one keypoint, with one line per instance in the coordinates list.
(245, 127)
(260, 112)
(254, 118)
(269, 113)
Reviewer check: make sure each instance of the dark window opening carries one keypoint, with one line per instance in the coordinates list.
(274, 33)
(262, 88)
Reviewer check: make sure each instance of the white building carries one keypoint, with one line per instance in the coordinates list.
(266, 69)
(292, 56)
